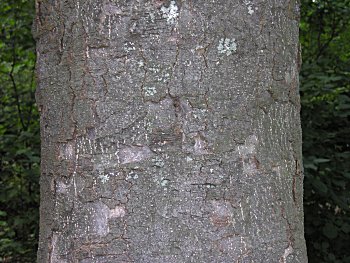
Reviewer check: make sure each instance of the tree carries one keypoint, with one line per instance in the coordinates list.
(170, 131)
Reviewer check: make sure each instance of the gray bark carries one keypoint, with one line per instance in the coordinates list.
(170, 131)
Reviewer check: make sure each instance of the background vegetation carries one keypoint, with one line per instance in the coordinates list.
(325, 94)
(19, 134)
(325, 91)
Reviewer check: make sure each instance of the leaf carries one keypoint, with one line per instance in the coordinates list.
(3, 213)
(330, 231)
(310, 166)
(345, 228)
(321, 160)
(346, 175)
(21, 151)
(320, 186)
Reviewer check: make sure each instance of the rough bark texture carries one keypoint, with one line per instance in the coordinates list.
(170, 131)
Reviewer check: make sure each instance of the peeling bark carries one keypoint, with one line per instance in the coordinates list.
(170, 131)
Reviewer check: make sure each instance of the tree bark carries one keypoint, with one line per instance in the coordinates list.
(170, 131)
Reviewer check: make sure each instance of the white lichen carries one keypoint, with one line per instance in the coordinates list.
(171, 13)
(250, 10)
(148, 126)
(158, 161)
(152, 17)
(133, 28)
(141, 64)
(163, 78)
(189, 159)
(164, 182)
(154, 69)
(129, 46)
(250, 7)
(150, 91)
(199, 113)
(103, 177)
(132, 175)
(227, 46)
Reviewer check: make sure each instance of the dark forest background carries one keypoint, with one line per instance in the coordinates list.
(325, 96)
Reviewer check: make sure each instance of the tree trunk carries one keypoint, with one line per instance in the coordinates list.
(170, 131)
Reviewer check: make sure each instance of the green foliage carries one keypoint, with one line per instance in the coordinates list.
(19, 134)
(325, 90)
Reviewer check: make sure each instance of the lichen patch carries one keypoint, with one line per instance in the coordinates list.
(170, 13)
(227, 46)
(250, 10)
(164, 182)
(250, 7)
(150, 91)
(103, 177)
(158, 161)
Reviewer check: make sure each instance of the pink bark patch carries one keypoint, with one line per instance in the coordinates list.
(132, 154)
